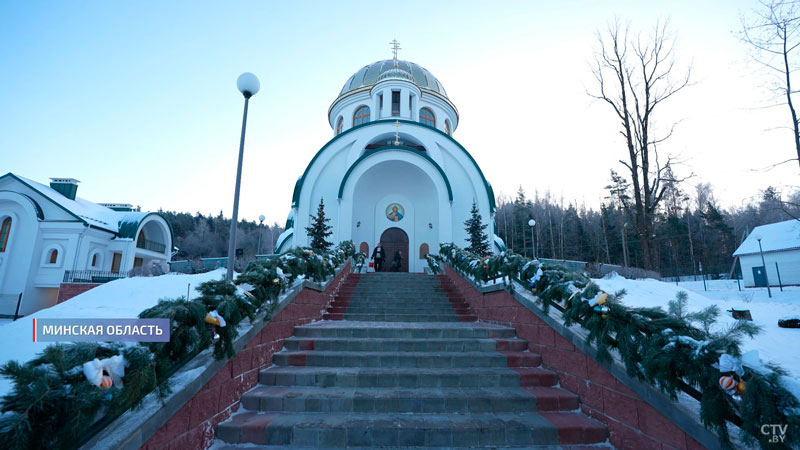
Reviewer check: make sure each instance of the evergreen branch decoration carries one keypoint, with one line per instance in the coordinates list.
(52, 405)
(663, 348)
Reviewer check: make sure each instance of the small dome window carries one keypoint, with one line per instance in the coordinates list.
(361, 115)
(339, 125)
(426, 117)
(447, 127)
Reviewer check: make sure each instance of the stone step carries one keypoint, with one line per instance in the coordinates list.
(402, 330)
(367, 377)
(452, 317)
(449, 447)
(406, 359)
(395, 296)
(408, 306)
(406, 345)
(420, 301)
(403, 400)
(433, 306)
(398, 309)
(413, 302)
(331, 430)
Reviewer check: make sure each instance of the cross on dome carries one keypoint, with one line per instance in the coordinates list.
(395, 48)
(397, 132)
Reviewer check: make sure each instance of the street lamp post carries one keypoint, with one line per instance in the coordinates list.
(764, 264)
(532, 223)
(260, 232)
(624, 245)
(248, 85)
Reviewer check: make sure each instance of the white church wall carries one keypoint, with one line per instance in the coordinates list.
(321, 181)
(402, 178)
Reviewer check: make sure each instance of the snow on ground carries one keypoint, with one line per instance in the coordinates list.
(774, 344)
(124, 298)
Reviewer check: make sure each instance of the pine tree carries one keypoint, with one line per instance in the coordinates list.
(319, 229)
(479, 241)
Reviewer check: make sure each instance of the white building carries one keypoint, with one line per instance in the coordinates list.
(392, 173)
(46, 231)
(781, 244)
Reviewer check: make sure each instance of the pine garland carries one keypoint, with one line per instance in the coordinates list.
(52, 405)
(664, 349)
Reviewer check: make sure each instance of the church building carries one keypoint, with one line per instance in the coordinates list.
(393, 172)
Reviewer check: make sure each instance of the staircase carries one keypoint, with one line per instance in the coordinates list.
(397, 364)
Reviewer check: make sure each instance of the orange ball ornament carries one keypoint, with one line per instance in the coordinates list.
(106, 382)
(740, 387)
(727, 383)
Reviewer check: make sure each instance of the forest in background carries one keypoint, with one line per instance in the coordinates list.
(689, 228)
(199, 236)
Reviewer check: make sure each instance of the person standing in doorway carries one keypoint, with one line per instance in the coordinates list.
(378, 255)
(397, 261)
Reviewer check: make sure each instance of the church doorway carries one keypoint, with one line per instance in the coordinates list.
(395, 240)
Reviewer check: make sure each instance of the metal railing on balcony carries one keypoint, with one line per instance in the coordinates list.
(154, 246)
(92, 276)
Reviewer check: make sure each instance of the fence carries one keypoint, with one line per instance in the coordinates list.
(153, 246)
(92, 276)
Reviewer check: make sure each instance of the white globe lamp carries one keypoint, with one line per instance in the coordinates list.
(248, 84)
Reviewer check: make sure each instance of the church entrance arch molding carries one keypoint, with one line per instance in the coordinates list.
(365, 186)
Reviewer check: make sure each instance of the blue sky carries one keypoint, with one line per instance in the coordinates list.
(138, 99)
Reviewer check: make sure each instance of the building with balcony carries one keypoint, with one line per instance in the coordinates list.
(49, 235)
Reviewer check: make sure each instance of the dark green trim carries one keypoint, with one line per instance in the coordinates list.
(280, 246)
(299, 184)
(39, 212)
(123, 231)
(424, 155)
(129, 229)
(80, 219)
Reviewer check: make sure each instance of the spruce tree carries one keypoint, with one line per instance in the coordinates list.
(479, 241)
(319, 229)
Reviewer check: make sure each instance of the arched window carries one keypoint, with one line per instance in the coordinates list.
(361, 115)
(141, 241)
(5, 231)
(423, 251)
(95, 259)
(364, 248)
(339, 125)
(447, 126)
(426, 117)
(53, 258)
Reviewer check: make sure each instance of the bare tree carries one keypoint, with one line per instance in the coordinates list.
(634, 75)
(772, 34)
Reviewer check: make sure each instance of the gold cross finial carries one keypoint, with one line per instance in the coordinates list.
(397, 132)
(395, 48)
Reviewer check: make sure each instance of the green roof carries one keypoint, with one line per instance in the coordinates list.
(298, 187)
(421, 153)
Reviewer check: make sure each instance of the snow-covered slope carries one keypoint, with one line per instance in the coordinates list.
(124, 298)
(774, 344)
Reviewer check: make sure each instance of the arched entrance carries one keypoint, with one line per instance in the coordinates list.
(395, 240)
